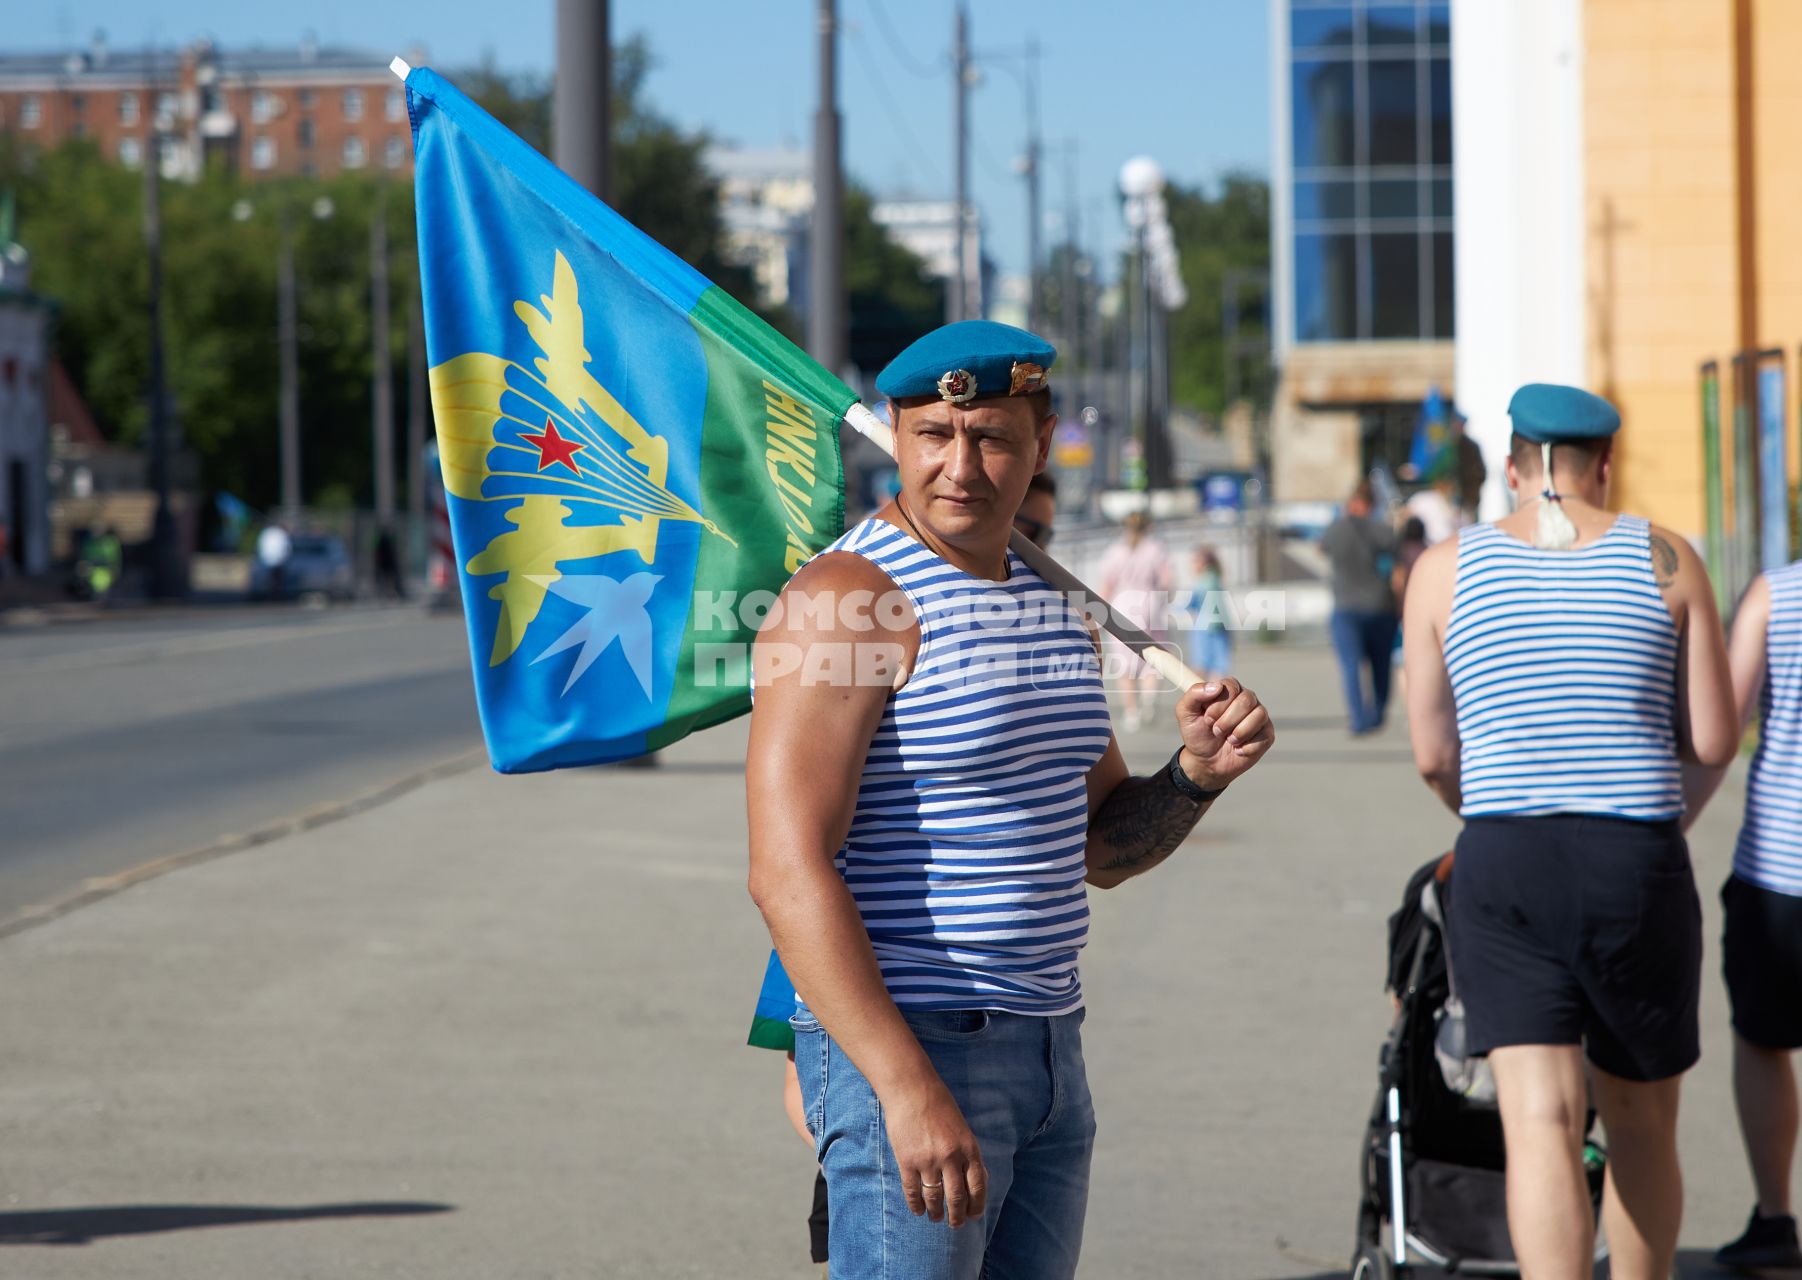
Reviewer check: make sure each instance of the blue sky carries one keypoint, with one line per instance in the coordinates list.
(1184, 81)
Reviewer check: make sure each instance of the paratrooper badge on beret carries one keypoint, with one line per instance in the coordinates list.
(957, 386)
(972, 358)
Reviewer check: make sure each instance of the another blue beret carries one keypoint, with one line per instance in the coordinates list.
(969, 360)
(1544, 412)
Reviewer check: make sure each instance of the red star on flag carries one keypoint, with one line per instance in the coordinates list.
(553, 448)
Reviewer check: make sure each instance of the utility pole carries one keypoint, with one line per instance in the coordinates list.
(826, 335)
(416, 411)
(958, 303)
(1034, 217)
(581, 113)
(1071, 284)
(165, 566)
(384, 363)
(1147, 397)
(288, 339)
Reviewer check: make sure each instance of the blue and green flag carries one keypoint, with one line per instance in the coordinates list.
(628, 453)
(1432, 437)
(770, 1027)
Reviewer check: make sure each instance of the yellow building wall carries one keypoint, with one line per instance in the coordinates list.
(1661, 256)
(1777, 152)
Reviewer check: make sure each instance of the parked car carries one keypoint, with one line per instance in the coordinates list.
(317, 564)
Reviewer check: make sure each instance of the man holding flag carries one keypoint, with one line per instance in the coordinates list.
(630, 459)
(932, 779)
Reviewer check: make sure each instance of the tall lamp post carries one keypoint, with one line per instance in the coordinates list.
(288, 339)
(1160, 292)
(826, 308)
(166, 576)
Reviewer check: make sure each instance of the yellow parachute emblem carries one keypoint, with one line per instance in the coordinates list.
(478, 410)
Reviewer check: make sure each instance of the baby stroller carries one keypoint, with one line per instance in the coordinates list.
(1431, 1179)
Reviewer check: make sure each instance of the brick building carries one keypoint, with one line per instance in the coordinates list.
(264, 112)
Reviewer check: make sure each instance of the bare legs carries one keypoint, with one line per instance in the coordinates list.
(1764, 1091)
(1543, 1101)
(1643, 1206)
(1544, 1098)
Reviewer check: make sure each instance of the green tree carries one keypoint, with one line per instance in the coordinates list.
(81, 217)
(660, 183)
(892, 299)
(1219, 238)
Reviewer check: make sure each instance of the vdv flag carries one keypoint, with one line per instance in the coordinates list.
(770, 1027)
(628, 452)
(1432, 435)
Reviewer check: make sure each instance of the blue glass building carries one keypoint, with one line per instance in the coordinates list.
(1362, 228)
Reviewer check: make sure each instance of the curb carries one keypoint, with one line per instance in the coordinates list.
(99, 887)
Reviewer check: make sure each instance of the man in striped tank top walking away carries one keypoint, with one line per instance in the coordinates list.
(1564, 664)
(933, 782)
(1761, 940)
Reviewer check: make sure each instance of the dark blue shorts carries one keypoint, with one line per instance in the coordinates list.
(1577, 929)
(1761, 956)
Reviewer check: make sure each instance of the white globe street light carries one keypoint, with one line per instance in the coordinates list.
(1141, 176)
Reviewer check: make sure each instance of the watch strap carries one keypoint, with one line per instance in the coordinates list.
(1185, 785)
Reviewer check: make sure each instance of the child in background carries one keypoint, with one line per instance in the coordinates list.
(1206, 607)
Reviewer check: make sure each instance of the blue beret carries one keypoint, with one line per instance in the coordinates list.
(1544, 412)
(969, 360)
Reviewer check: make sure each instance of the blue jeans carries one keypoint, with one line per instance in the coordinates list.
(1365, 639)
(1022, 1088)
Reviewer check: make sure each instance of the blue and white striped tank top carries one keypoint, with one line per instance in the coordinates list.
(965, 854)
(1769, 852)
(1563, 667)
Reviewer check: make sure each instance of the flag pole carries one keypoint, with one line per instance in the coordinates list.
(1154, 655)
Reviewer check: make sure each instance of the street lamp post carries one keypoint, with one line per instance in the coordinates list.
(1141, 182)
(826, 320)
(1161, 291)
(382, 427)
(961, 72)
(288, 342)
(166, 576)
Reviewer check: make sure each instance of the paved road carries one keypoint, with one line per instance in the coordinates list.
(495, 1029)
(130, 740)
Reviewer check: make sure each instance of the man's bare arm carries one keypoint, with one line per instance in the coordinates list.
(1432, 713)
(1746, 661)
(1137, 822)
(810, 737)
(1707, 730)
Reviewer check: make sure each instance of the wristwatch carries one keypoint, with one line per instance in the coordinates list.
(1185, 785)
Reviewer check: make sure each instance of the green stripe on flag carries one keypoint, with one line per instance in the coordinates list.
(772, 479)
(771, 1033)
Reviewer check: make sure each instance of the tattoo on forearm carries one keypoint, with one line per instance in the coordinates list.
(1142, 822)
(1664, 562)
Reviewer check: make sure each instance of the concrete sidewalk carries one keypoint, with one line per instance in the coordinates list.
(495, 1028)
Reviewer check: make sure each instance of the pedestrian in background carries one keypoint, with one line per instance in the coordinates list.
(1761, 938)
(1204, 604)
(1135, 580)
(1436, 506)
(1038, 509)
(1409, 546)
(1360, 551)
(1563, 663)
(390, 583)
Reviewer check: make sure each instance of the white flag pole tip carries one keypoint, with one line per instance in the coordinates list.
(399, 67)
(871, 428)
